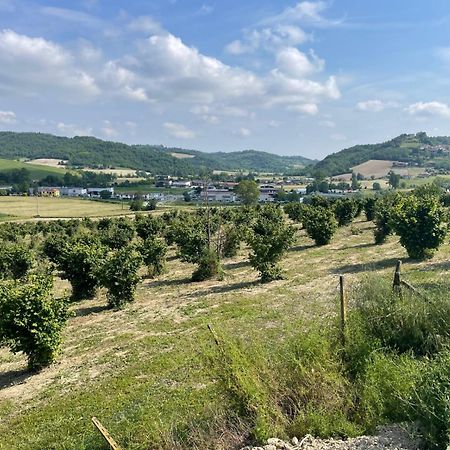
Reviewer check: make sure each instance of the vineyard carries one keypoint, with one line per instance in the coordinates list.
(110, 318)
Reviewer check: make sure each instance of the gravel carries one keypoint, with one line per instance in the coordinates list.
(387, 438)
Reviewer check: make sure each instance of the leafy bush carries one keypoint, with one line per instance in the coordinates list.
(80, 262)
(31, 320)
(231, 240)
(345, 211)
(208, 266)
(269, 237)
(149, 226)
(420, 221)
(320, 224)
(384, 210)
(15, 260)
(54, 246)
(369, 208)
(295, 211)
(153, 253)
(120, 276)
(116, 233)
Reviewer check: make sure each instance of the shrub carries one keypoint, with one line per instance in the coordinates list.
(369, 208)
(31, 320)
(231, 240)
(345, 211)
(116, 233)
(54, 247)
(420, 221)
(15, 260)
(320, 224)
(269, 237)
(295, 211)
(153, 253)
(208, 266)
(384, 210)
(120, 276)
(80, 262)
(148, 226)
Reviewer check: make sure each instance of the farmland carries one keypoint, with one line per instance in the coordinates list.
(144, 371)
(36, 170)
(14, 207)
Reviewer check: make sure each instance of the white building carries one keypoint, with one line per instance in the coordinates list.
(95, 192)
(181, 184)
(219, 196)
(73, 191)
(267, 193)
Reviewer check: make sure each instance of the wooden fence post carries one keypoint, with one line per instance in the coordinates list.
(344, 307)
(397, 284)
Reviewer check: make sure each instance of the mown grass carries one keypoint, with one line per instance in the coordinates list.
(37, 171)
(27, 207)
(146, 372)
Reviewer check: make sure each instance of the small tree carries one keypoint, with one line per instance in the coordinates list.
(320, 224)
(15, 260)
(137, 204)
(31, 319)
(248, 192)
(394, 179)
(420, 223)
(345, 211)
(153, 253)
(116, 233)
(120, 276)
(369, 208)
(148, 226)
(295, 211)
(80, 261)
(376, 186)
(384, 209)
(269, 237)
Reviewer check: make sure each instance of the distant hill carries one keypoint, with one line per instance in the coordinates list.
(90, 151)
(414, 148)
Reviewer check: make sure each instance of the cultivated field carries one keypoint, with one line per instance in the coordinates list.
(37, 171)
(144, 371)
(378, 168)
(27, 207)
(49, 162)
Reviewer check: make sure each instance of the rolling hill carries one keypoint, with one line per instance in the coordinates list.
(90, 151)
(412, 148)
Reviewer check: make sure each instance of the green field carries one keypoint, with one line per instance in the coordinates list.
(144, 371)
(13, 207)
(37, 171)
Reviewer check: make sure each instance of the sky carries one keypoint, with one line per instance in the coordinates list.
(295, 78)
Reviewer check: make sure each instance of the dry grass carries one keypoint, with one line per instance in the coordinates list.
(49, 162)
(27, 207)
(141, 370)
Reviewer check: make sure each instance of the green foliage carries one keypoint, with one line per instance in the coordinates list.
(31, 320)
(153, 251)
(208, 266)
(369, 208)
(384, 210)
(345, 210)
(116, 233)
(295, 211)
(80, 262)
(16, 259)
(394, 179)
(269, 237)
(119, 274)
(137, 204)
(149, 226)
(320, 224)
(248, 192)
(420, 222)
(231, 240)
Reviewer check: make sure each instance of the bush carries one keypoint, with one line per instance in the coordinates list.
(320, 224)
(369, 208)
(148, 226)
(269, 237)
(384, 210)
(15, 260)
(420, 221)
(208, 266)
(80, 262)
(345, 211)
(231, 240)
(120, 276)
(153, 253)
(54, 247)
(116, 233)
(295, 211)
(31, 320)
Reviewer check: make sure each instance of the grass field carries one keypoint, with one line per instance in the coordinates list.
(37, 171)
(26, 207)
(143, 371)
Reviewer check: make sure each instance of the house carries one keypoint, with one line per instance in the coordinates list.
(46, 191)
(73, 191)
(181, 184)
(163, 182)
(95, 192)
(219, 196)
(267, 193)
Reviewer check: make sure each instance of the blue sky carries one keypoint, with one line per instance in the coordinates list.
(287, 77)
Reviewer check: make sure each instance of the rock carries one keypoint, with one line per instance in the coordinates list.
(294, 441)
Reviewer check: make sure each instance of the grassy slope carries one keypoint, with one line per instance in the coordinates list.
(37, 171)
(142, 371)
(26, 207)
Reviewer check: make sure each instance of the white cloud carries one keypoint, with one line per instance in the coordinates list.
(371, 105)
(145, 24)
(311, 109)
(71, 15)
(296, 64)
(338, 137)
(29, 64)
(327, 123)
(179, 131)
(205, 10)
(7, 117)
(73, 130)
(211, 119)
(274, 124)
(429, 109)
(242, 132)
(108, 130)
(268, 39)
